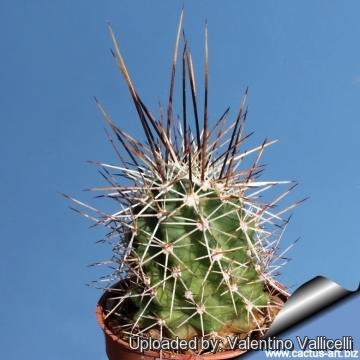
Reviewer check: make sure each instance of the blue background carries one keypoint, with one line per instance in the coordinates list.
(301, 61)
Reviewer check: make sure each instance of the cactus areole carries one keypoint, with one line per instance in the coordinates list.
(194, 248)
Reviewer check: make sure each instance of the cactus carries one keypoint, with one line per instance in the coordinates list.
(194, 243)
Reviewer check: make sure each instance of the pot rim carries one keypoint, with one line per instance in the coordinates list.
(100, 319)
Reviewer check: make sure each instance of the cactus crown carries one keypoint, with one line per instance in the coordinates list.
(193, 242)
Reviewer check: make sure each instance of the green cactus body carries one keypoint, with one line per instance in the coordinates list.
(193, 245)
(196, 247)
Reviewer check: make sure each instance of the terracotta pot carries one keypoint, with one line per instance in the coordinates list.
(117, 349)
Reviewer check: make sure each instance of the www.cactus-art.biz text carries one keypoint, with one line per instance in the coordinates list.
(234, 343)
